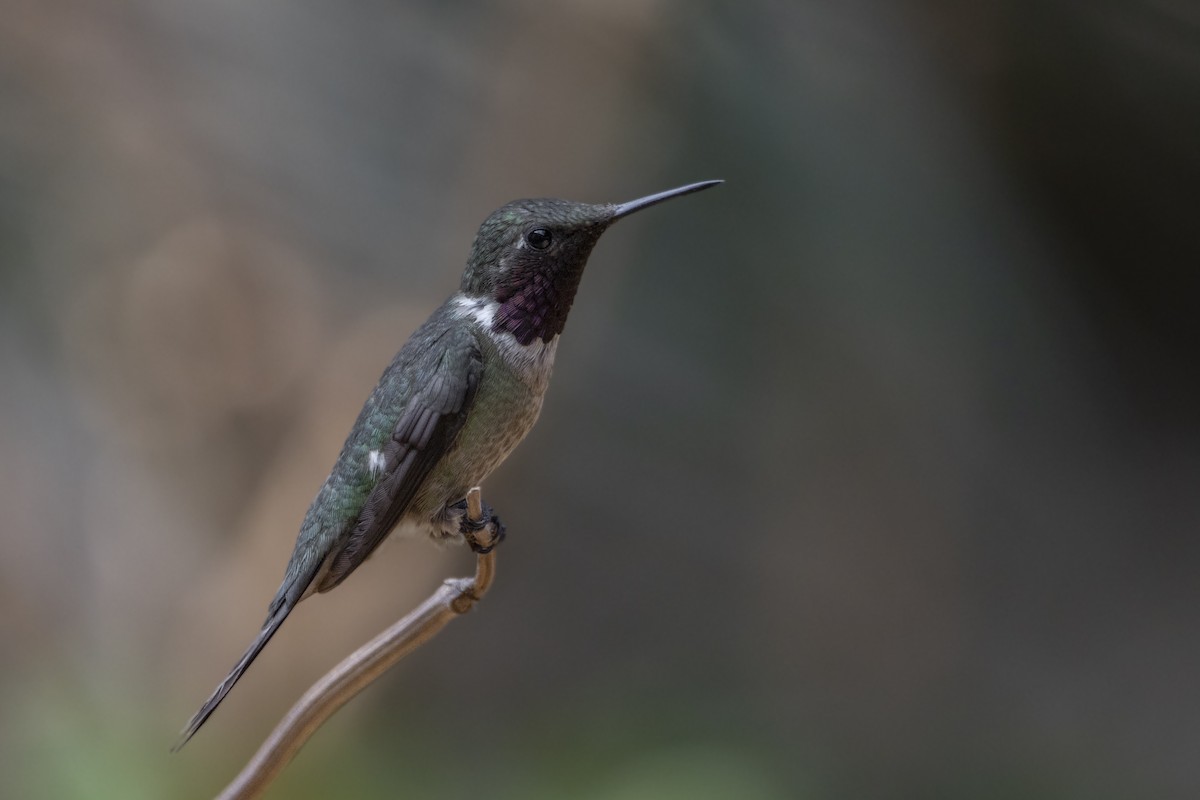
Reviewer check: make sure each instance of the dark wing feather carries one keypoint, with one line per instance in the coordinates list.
(425, 431)
(443, 373)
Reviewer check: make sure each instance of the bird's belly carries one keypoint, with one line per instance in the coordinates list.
(505, 409)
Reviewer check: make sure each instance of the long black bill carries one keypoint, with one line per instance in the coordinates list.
(625, 209)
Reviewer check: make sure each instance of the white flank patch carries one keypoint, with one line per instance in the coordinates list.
(375, 463)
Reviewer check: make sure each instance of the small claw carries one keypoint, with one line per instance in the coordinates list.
(470, 529)
(497, 536)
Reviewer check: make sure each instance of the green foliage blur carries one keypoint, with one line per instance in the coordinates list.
(873, 473)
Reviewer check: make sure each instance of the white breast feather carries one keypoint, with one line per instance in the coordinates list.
(534, 360)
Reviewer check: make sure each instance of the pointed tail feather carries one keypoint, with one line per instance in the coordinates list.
(210, 705)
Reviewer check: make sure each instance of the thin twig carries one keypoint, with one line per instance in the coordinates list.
(454, 597)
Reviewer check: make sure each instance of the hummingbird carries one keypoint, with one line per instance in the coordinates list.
(462, 392)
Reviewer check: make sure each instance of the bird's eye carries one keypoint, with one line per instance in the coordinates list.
(538, 238)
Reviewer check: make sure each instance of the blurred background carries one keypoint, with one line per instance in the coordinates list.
(873, 473)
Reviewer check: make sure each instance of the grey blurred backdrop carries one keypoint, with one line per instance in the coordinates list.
(872, 473)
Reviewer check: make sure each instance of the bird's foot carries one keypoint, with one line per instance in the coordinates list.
(474, 532)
